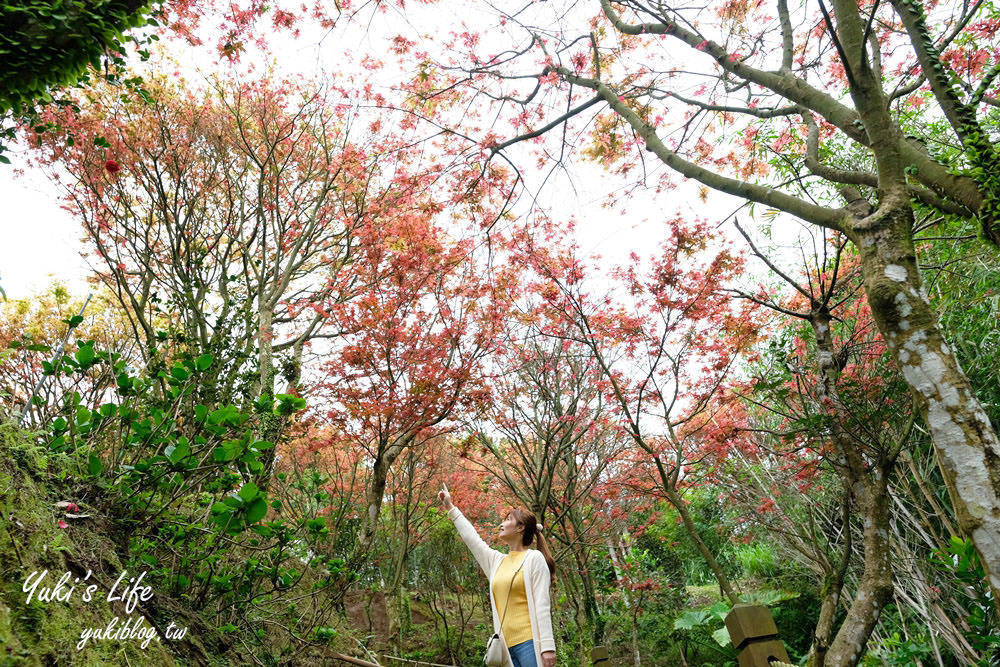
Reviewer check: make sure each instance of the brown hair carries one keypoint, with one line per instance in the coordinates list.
(525, 518)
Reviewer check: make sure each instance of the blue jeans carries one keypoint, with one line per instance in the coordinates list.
(523, 654)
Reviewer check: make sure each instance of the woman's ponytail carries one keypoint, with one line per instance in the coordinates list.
(543, 546)
(533, 529)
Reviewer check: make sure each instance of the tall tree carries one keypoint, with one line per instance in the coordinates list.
(851, 362)
(557, 439)
(413, 343)
(662, 359)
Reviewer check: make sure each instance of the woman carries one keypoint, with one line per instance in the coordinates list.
(519, 584)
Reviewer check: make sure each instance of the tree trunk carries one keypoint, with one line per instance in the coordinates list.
(270, 423)
(868, 485)
(373, 504)
(388, 453)
(725, 586)
(265, 351)
(966, 444)
(635, 636)
(833, 585)
(590, 608)
(875, 589)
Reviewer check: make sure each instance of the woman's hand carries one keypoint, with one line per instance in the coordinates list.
(549, 659)
(445, 497)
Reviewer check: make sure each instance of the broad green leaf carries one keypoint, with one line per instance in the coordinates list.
(690, 620)
(720, 610)
(203, 362)
(177, 453)
(94, 465)
(721, 636)
(224, 452)
(85, 355)
(257, 510)
(221, 508)
(770, 598)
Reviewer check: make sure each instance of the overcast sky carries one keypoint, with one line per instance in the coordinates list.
(40, 240)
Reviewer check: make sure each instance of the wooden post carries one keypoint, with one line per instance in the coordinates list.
(599, 656)
(755, 636)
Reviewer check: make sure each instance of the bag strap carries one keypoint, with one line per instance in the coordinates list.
(510, 588)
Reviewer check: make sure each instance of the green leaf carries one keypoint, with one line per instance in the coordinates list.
(690, 620)
(228, 415)
(720, 610)
(224, 452)
(249, 491)
(85, 355)
(179, 372)
(180, 451)
(200, 412)
(257, 510)
(287, 404)
(203, 362)
(721, 636)
(221, 508)
(233, 501)
(180, 583)
(317, 525)
(769, 598)
(94, 466)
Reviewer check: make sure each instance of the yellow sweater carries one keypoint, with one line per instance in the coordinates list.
(516, 625)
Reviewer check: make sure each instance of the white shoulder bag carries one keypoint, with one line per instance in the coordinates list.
(494, 647)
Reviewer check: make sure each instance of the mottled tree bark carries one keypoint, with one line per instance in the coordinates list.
(866, 484)
(875, 589)
(966, 444)
(833, 588)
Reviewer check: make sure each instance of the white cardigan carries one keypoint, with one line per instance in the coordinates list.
(536, 585)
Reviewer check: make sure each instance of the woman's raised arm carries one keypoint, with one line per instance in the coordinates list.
(481, 551)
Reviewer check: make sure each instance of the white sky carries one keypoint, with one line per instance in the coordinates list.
(40, 240)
